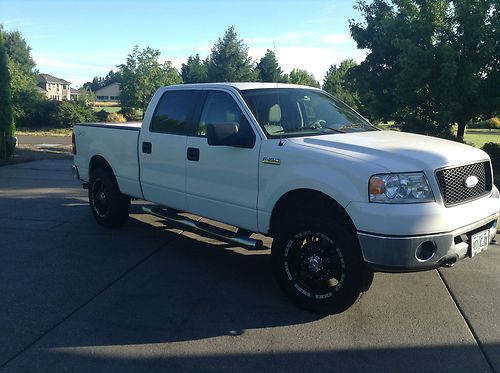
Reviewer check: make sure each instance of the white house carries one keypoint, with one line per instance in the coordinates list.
(54, 88)
(109, 93)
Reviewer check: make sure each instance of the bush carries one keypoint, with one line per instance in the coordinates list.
(492, 123)
(493, 150)
(102, 115)
(45, 113)
(115, 118)
(68, 113)
(130, 114)
(38, 114)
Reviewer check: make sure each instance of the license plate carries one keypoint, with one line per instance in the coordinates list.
(479, 242)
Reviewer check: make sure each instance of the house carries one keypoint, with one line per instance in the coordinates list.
(110, 93)
(54, 88)
(73, 94)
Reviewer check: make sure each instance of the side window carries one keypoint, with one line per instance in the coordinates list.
(174, 113)
(220, 108)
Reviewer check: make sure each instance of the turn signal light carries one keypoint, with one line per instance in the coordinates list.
(377, 185)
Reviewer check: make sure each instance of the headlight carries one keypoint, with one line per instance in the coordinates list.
(400, 188)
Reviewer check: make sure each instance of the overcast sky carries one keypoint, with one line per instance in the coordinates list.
(77, 40)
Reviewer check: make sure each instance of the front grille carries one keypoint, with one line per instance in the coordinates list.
(453, 187)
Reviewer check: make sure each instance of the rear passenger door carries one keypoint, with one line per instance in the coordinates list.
(222, 181)
(162, 149)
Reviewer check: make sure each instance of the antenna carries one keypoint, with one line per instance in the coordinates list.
(274, 51)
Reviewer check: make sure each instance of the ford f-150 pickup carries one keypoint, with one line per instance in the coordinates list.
(340, 198)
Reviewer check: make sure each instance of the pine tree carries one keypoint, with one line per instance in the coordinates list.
(195, 70)
(268, 68)
(229, 60)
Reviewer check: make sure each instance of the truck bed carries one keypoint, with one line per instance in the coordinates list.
(117, 144)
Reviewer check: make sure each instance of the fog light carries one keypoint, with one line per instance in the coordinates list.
(425, 251)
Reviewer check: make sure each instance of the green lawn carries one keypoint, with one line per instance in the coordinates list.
(107, 109)
(478, 137)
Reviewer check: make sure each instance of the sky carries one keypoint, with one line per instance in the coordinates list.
(78, 39)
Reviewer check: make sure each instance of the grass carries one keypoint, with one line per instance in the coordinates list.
(107, 109)
(479, 137)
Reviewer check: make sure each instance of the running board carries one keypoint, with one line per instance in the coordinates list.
(219, 233)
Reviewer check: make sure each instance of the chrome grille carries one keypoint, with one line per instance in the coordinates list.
(453, 187)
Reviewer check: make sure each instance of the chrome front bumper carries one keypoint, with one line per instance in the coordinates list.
(405, 254)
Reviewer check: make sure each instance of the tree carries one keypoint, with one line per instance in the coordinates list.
(19, 51)
(142, 75)
(303, 77)
(86, 97)
(432, 64)
(99, 82)
(339, 83)
(268, 68)
(24, 96)
(195, 70)
(229, 60)
(6, 122)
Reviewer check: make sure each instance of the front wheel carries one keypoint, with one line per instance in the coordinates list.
(109, 206)
(318, 264)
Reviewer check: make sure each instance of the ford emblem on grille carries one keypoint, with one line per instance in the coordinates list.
(471, 181)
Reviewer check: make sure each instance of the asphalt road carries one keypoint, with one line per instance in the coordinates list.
(80, 298)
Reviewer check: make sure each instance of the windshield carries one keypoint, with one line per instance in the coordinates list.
(289, 112)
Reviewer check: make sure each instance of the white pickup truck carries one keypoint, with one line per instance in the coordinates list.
(340, 198)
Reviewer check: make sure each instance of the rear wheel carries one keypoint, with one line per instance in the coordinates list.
(109, 206)
(318, 264)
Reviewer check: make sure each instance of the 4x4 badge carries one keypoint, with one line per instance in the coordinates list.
(471, 181)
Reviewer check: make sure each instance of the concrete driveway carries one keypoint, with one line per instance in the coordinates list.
(77, 297)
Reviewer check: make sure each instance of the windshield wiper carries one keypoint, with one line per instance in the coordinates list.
(306, 128)
(352, 125)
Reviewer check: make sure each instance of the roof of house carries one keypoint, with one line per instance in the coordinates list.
(109, 85)
(73, 91)
(47, 78)
(40, 89)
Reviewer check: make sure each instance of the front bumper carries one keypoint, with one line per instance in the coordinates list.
(404, 253)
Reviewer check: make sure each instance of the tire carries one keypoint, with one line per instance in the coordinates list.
(318, 264)
(109, 207)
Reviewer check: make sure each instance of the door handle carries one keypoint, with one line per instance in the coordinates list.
(147, 147)
(193, 154)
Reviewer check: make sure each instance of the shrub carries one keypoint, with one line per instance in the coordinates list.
(102, 115)
(130, 114)
(68, 113)
(116, 118)
(492, 123)
(45, 113)
(38, 114)
(493, 150)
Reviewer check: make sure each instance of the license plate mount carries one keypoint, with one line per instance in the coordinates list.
(479, 243)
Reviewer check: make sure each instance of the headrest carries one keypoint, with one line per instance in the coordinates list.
(274, 114)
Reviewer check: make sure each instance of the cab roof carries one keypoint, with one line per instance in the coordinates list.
(243, 86)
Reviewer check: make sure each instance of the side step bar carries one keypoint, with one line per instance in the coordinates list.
(219, 233)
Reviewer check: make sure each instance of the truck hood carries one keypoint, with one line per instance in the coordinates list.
(396, 151)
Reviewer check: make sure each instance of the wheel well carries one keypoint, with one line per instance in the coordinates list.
(306, 201)
(98, 161)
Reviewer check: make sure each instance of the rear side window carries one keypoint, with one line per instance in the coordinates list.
(175, 112)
